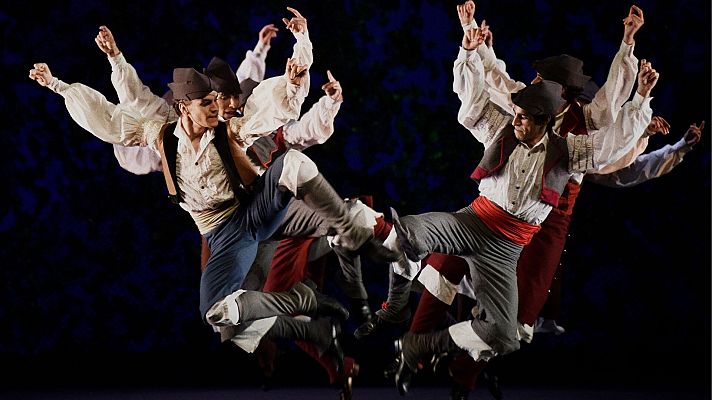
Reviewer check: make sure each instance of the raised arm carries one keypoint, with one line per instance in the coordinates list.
(129, 87)
(273, 103)
(592, 153)
(483, 118)
(93, 112)
(111, 123)
(316, 125)
(255, 63)
(651, 165)
(607, 102)
(303, 54)
(657, 124)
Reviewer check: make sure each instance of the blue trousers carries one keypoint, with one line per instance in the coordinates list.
(233, 243)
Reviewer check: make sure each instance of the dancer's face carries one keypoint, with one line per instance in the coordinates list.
(202, 112)
(525, 128)
(227, 105)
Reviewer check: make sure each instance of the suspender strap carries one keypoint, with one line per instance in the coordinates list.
(168, 147)
(240, 171)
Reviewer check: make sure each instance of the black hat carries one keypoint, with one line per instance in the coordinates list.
(589, 91)
(246, 86)
(189, 84)
(223, 78)
(564, 69)
(540, 99)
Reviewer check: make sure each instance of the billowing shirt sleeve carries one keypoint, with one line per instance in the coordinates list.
(302, 52)
(273, 103)
(314, 127)
(593, 152)
(134, 94)
(116, 124)
(138, 160)
(103, 119)
(645, 167)
(482, 117)
(255, 64)
(609, 99)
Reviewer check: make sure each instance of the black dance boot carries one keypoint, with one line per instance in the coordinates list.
(395, 310)
(323, 332)
(327, 305)
(412, 347)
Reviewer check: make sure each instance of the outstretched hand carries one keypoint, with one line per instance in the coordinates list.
(295, 73)
(632, 23)
(472, 39)
(466, 12)
(332, 88)
(267, 33)
(647, 78)
(41, 74)
(658, 124)
(105, 40)
(694, 134)
(298, 24)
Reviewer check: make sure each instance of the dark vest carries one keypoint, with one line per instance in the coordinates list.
(169, 151)
(267, 148)
(554, 176)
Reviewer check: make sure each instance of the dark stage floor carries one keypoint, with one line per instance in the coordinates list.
(380, 393)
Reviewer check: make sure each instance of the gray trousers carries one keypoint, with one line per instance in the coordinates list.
(493, 263)
(299, 221)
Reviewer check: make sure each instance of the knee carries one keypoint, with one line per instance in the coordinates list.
(304, 167)
(297, 169)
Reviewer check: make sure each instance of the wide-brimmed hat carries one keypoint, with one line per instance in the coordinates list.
(223, 77)
(589, 91)
(246, 87)
(189, 84)
(540, 99)
(564, 69)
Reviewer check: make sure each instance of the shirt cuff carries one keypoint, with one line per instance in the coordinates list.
(466, 55)
(261, 49)
(117, 61)
(303, 39)
(639, 101)
(627, 49)
(331, 103)
(681, 146)
(471, 25)
(58, 86)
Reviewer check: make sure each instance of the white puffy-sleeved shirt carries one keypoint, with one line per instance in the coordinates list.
(517, 188)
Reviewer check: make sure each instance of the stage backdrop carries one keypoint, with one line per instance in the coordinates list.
(96, 266)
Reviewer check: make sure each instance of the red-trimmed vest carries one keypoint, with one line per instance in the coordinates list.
(554, 176)
(265, 149)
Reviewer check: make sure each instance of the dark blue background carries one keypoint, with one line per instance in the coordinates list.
(96, 267)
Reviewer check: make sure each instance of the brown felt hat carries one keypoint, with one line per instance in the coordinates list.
(564, 69)
(540, 99)
(222, 76)
(189, 84)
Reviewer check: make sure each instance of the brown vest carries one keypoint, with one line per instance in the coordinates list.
(555, 173)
